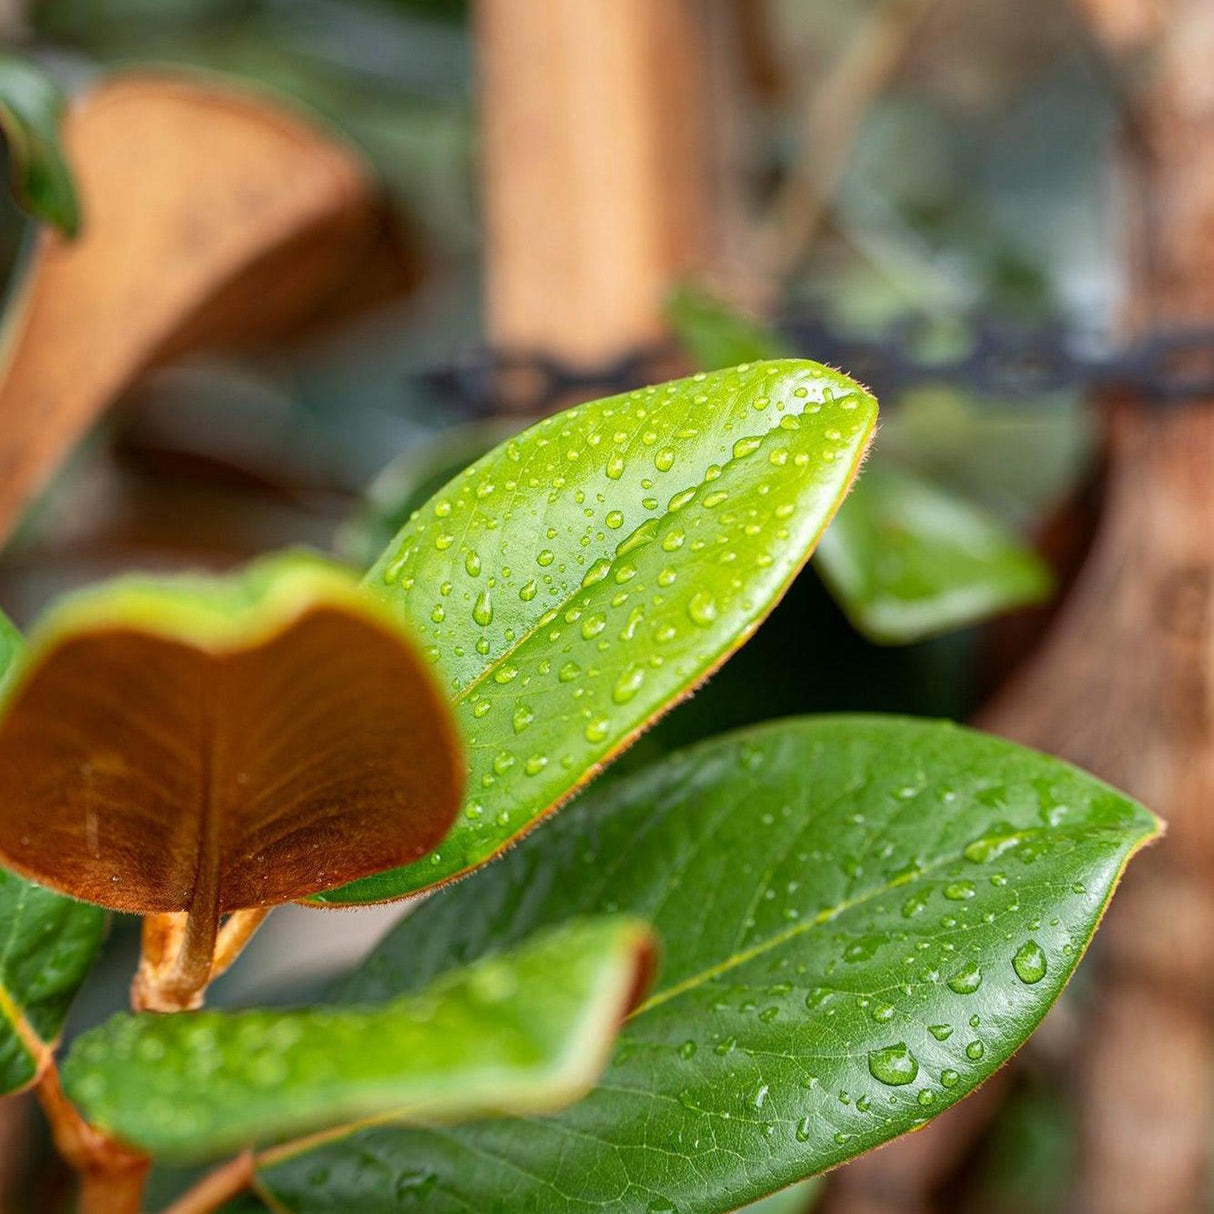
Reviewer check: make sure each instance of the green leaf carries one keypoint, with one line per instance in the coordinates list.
(580, 579)
(906, 560)
(211, 743)
(47, 945)
(31, 107)
(861, 917)
(797, 1199)
(525, 1032)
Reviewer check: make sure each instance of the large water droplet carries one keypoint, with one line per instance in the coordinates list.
(967, 981)
(702, 609)
(482, 611)
(894, 1065)
(1029, 962)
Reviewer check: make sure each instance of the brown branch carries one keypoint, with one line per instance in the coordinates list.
(111, 1176)
(234, 935)
(217, 1187)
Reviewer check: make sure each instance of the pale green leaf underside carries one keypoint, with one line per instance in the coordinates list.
(862, 919)
(907, 560)
(47, 945)
(30, 109)
(524, 1032)
(581, 578)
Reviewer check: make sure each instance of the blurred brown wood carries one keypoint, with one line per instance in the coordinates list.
(1124, 684)
(594, 149)
(209, 216)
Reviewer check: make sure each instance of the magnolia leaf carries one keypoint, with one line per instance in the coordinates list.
(583, 577)
(209, 215)
(906, 560)
(47, 945)
(524, 1032)
(31, 107)
(862, 918)
(211, 744)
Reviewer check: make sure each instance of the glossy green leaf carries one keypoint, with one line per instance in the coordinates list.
(906, 560)
(581, 578)
(523, 1032)
(31, 106)
(861, 917)
(47, 945)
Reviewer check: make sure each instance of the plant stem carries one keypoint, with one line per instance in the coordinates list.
(234, 935)
(216, 1187)
(111, 1176)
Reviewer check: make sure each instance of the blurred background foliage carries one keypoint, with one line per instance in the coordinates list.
(948, 208)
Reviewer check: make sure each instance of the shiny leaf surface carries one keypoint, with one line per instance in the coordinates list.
(906, 560)
(192, 742)
(861, 917)
(31, 107)
(524, 1032)
(581, 578)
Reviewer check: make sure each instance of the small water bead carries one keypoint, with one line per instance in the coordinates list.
(524, 714)
(438, 614)
(894, 1065)
(614, 519)
(715, 498)
(628, 684)
(615, 466)
(535, 764)
(881, 1012)
(927, 1097)
(546, 557)
(949, 1078)
(702, 609)
(472, 564)
(597, 572)
(593, 624)
(664, 459)
(625, 573)
(959, 891)
(667, 577)
(687, 1050)
(481, 707)
(443, 542)
(1029, 962)
(597, 729)
(975, 1020)
(941, 1032)
(975, 1050)
(804, 1129)
(568, 672)
(529, 591)
(482, 611)
(746, 446)
(503, 761)
(507, 674)
(680, 500)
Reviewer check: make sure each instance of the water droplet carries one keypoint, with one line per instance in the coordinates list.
(628, 684)
(482, 612)
(535, 764)
(664, 460)
(472, 563)
(597, 572)
(702, 609)
(546, 557)
(524, 714)
(804, 1127)
(593, 624)
(1029, 962)
(949, 1078)
(615, 466)
(506, 674)
(614, 519)
(881, 1012)
(966, 981)
(596, 731)
(959, 891)
(688, 1050)
(569, 672)
(941, 1032)
(894, 1065)
(746, 446)
(529, 591)
(975, 1050)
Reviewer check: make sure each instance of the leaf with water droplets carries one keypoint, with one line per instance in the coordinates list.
(208, 744)
(905, 558)
(523, 1032)
(47, 945)
(624, 549)
(800, 1018)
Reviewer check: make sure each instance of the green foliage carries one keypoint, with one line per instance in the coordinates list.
(31, 107)
(905, 559)
(581, 578)
(523, 1032)
(862, 919)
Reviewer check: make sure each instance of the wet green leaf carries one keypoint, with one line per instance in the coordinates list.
(906, 560)
(47, 945)
(31, 106)
(524, 1032)
(583, 577)
(796, 1199)
(861, 917)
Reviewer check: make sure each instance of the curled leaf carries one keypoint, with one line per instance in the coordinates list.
(206, 745)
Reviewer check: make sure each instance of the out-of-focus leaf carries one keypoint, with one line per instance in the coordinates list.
(861, 918)
(218, 743)
(904, 559)
(525, 1032)
(907, 560)
(211, 216)
(31, 107)
(582, 578)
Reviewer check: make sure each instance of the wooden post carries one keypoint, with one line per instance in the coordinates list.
(1124, 685)
(594, 169)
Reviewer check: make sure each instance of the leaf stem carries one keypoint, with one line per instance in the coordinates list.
(234, 935)
(111, 1176)
(217, 1187)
